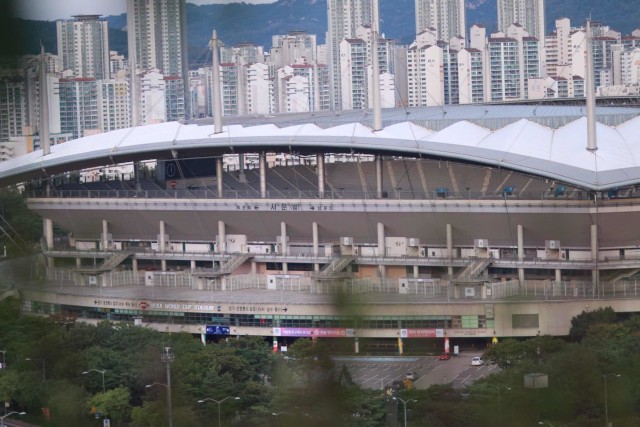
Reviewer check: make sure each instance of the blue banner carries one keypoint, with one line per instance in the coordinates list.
(218, 330)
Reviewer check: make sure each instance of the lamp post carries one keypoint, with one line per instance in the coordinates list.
(606, 403)
(169, 404)
(4, 361)
(10, 413)
(219, 402)
(97, 370)
(44, 369)
(404, 403)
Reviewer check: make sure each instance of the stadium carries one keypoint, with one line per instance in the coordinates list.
(461, 223)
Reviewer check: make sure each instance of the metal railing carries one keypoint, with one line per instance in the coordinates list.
(436, 289)
(398, 194)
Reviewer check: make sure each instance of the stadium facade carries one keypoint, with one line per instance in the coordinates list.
(463, 222)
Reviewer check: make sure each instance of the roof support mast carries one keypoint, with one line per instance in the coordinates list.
(592, 144)
(217, 104)
(375, 72)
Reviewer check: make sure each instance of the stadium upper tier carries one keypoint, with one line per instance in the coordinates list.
(547, 141)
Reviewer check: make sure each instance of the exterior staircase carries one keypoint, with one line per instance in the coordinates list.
(336, 266)
(473, 270)
(108, 264)
(233, 263)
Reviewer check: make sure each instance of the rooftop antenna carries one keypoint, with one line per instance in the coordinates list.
(592, 144)
(217, 104)
(44, 104)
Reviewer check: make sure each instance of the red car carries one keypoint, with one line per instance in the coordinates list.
(445, 356)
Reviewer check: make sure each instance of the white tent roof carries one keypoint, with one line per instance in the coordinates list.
(523, 145)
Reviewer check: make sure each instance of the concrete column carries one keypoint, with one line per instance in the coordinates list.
(314, 231)
(222, 237)
(316, 244)
(320, 166)
(381, 246)
(450, 248)
(193, 265)
(284, 248)
(254, 268)
(243, 177)
(78, 262)
(520, 243)
(416, 271)
(161, 241)
(105, 235)
(520, 253)
(48, 232)
(263, 175)
(163, 264)
(219, 177)
(284, 245)
(134, 267)
(379, 176)
(136, 175)
(558, 275)
(594, 255)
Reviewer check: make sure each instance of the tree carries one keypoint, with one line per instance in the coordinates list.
(113, 404)
(581, 323)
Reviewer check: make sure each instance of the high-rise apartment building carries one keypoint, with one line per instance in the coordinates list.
(528, 13)
(425, 72)
(12, 106)
(447, 17)
(83, 46)
(344, 18)
(79, 114)
(356, 58)
(292, 48)
(157, 38)
(260, 95)
(114, 104)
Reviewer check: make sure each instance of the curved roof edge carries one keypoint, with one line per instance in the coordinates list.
(523, 146)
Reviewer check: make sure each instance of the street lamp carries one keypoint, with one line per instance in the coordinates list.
(10, 413)
(219, 402)
(169, 404)
(606, 403)
(44, 369)
(404, 403)
(4, 362)
(97, 370)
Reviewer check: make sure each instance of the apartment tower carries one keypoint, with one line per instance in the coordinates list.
(344, 18)
(447, 17)
(528, 13)
(83, 46)
(157, 37)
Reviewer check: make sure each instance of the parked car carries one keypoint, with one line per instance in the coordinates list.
(444, 356)
(477, 361)
(411, 376)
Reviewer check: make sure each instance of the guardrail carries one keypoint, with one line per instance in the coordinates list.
(396, 194)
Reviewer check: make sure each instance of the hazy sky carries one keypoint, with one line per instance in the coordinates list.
(60, 9)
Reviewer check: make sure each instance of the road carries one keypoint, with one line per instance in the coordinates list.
(378, 372)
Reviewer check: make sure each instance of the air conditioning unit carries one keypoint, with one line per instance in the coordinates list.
(346, 241)
(482, 243)
(552, 244)
(414, 242)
